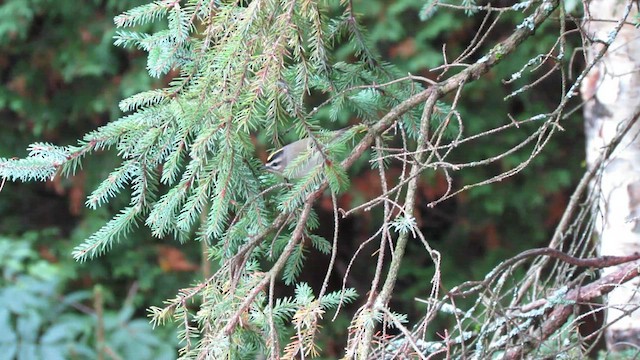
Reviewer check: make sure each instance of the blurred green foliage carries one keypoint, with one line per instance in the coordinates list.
(61, 77)
(38, 320)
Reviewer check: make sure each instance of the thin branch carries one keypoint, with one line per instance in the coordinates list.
(596, 262)
(557, 318)
(296, 236)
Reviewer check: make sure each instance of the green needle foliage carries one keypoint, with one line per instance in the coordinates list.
(267, 70)
(188, 160)
(187, 149)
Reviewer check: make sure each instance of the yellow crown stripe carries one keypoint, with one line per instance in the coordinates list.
(274, 154)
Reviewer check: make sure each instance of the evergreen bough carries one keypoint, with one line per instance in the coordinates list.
(191, 167)
(264, 68)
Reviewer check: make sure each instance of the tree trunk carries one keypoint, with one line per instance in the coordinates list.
(612, 94)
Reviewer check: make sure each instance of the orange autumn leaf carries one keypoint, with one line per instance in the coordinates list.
(171, 259)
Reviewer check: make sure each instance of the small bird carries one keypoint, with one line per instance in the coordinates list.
(278, 161)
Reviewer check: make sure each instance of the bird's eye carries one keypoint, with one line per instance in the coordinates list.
(275, 163)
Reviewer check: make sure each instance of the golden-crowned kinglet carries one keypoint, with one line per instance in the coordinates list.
(278, 161)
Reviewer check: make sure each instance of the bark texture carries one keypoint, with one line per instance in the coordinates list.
(612, 94)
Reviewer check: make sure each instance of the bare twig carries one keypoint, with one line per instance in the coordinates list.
(597, 262)
(556, 319)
